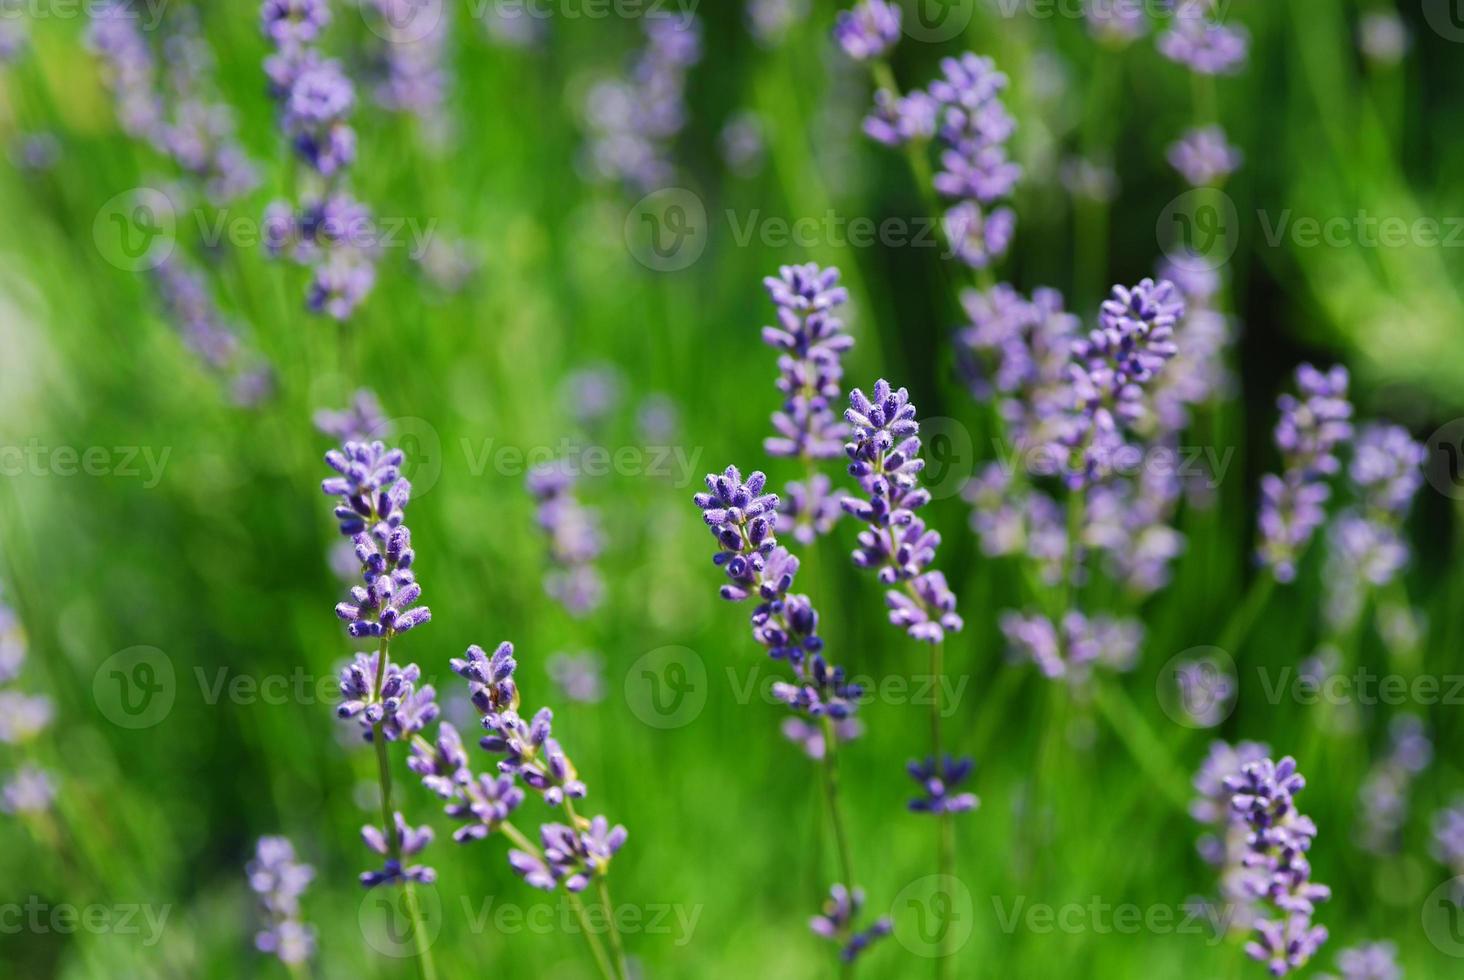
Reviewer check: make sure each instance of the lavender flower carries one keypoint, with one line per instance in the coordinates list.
(810, 737)
(1383, 37)
(743, 519)
(634, 120)
(1071, 648)
(1204, 46)
(811, 507)
(1263, 794)
(1203, 157)
(885, 460)
(575, 857)
(812, 342)
(897, 120)
(769, 21)
(414, 52)
(387, 700)
(279, 881)
(294, 22)
(743, 144)
(1308, 433)
(575, 538)
(1369, 961)
(591, 393)
(30, 790)
(14, 34)
(360, 421)
(407, 842)
(836, 924)
(868, 30)
(1448, 836)
(938, 779)
(1012, 519)
(1383, 800)
(1116, 22)
(579, 676)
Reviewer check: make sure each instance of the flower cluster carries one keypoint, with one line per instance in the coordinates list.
(810, 339)
(530, 758)
(386, 699)
(1308, 433)
(809, 736)
(1383, 799)
(769, 21)
(1222, 844)
(1203, 157)
(206, 332)
(1111, 369)
(743, 519)
(1369, 961)
(22, 717)
(315, 98)
(405, 842)
(884, 455)
(1202, 44)
(1069, 649)
(1012, 518)
(836, 923)
(575, 539)
(172, 109)
(1448, 836)
(373, 498)
(413, 52)
(14, 34)
(939, 780)
(360, 421)
(633, 120)
(869, 29)
(279, 881)
(1277, 841)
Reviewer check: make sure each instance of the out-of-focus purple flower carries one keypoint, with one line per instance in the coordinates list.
(1383, 803)
(1071, 649)
(407, 842)
(591, 393)
(14, 34)
(836, 924)
(1204, 157)
(1383, 37)
(769, 21)
(1279, 836)
(1205, 46)
(811, 340)
(575, 857)
(1387, 467)
(414, 52)
(1116, 22)
(811, 508)
(1088, 180)
(579, 676)
(939, 780)
(189, 307)
(1448, 836)
(658, 418)
(1368, 961)
(360, 421)
(809, 736)
(575, 538)
(23, 716)
(884, 454)
(634, 120)
(1223, 842)
(979, 238)
(897, 120)
(30, 790)
(742, 144)
(290, 22)
(868, 29)
(1013, 519)
(1308, 433)
(279, 880)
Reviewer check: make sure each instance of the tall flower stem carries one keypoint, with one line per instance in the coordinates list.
(1244, 617)
(830, 768)
(426, 969)
(576, 822)
(945, 851)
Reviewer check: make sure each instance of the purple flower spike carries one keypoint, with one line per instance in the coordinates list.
(490, 678)
(575, 538)
(360, 421)
(1278, 838)
(1369, 961)
(885, 459)
(1205, 46)
(836, 924)
(868, 30)
(398, 706)
(409, 842)
(1310, 430)
(811, 340)
(938, 780)
(279, 881)
(906, 119)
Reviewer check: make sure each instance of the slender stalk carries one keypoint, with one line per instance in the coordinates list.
(616, 945)
(1244, 617)
(1144, 745)
(522, 842)
(945, 849)
(297, 971)
(831, 793)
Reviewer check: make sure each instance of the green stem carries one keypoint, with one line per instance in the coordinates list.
(577, 824)
(1244, 617)
(831, 792)
(601, 960)
(615, 943)
(426, 969)
(945, 851)
(1145, 746)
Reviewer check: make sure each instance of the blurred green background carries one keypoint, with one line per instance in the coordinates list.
(220, 563)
